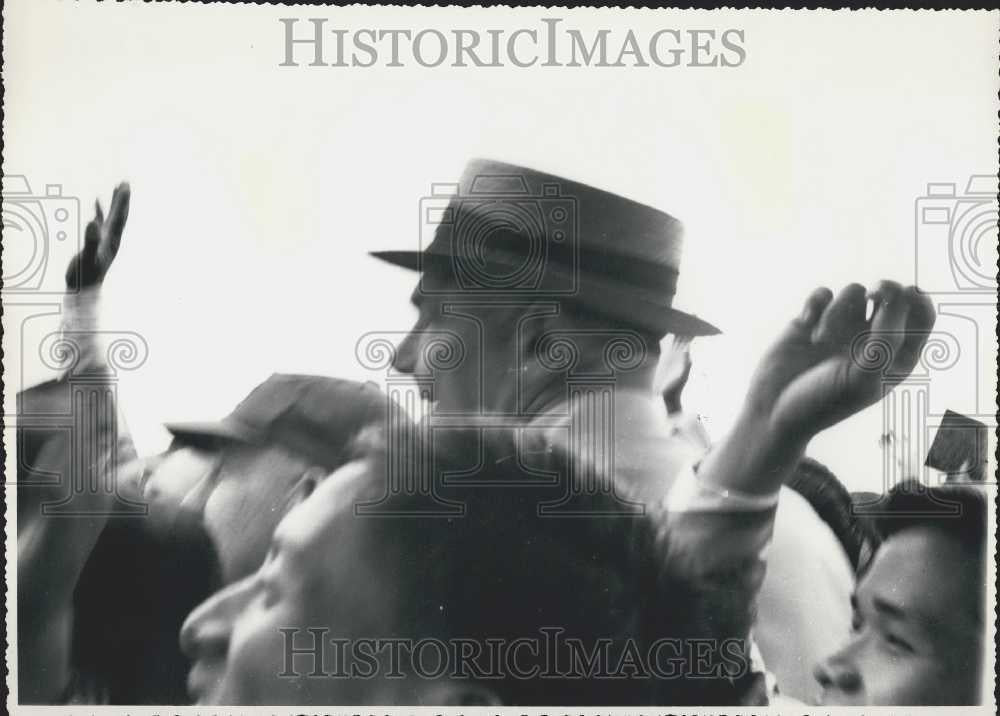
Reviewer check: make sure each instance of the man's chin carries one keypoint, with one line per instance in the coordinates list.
(205, 684)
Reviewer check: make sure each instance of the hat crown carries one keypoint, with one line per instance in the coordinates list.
(607, 223)
(504, 228)
(316, 415)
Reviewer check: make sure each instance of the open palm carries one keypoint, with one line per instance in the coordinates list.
(832, 361)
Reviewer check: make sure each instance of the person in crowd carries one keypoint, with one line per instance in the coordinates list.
(918, 628)
(815, 549)
(917, 617)
(102, 596)
(663, 554)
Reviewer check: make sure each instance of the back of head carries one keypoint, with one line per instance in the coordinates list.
(502, 573)
(574, 607)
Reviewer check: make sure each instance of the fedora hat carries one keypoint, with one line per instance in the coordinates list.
(506, 229)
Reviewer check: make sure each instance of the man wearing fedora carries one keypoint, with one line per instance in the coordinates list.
(555, 296)
(551, 298)
(539, 280)
(564, 503)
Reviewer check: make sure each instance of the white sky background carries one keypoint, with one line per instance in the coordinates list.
(258, 189)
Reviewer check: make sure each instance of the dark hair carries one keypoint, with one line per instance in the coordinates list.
(955, 511)
(503, 571)
(833, 503)
(130, 602)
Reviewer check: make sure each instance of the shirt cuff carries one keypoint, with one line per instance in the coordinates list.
(689, 493)
(80, 327)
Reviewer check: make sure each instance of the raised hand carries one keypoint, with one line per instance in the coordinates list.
(100, 243)
(819, 371)
(832, 361)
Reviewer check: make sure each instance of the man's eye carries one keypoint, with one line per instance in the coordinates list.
(856, 623)
(272, 552)
(268, 592)
(899, 644)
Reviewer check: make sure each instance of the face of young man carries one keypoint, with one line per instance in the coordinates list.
(916, 639)
(323, 570)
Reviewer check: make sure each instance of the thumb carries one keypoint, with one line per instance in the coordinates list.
(82, 270)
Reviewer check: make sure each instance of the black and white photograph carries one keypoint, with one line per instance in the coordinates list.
(500, 361)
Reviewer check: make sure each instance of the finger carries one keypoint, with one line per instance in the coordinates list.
(803, 325)
(118, 213)
(888, 321)
(81, 271)
(919, 323)
(91, 238)
(890, 308)
(844, 318)
(799, 330)
(922, 315)
(816, 303)
(98, 211)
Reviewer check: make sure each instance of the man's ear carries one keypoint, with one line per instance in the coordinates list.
(305, 485)
(460, 693)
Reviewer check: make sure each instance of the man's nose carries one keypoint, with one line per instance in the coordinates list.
(206, 631)
(407, 353)
(838, 673)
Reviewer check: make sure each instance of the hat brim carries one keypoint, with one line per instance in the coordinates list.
(667, 319)
(224, 430)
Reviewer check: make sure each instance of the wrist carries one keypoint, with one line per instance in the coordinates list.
(770, 441)
(756, 456)
(81, 326)
(81, 309)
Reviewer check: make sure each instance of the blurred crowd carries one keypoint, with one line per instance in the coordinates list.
(557, 529)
